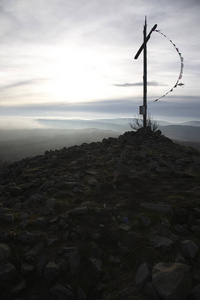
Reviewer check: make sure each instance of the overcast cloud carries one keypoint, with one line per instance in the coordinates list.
(63, 54)
(149, 83)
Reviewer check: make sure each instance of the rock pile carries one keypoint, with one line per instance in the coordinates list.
(117, 219)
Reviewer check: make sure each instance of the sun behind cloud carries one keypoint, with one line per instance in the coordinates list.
(74, 77)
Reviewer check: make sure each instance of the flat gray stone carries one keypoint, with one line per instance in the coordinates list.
(6, 218)
(189, 249)
(27, 237)
(143, 276)
(146, 221)
(19, 287)
(79, 211)
(95, 267)
(160, 241)
(51, 272)
(160, 208)
(61, 292)
(72, 257)
(26, 269)
(15, 190)
(7, 272)
(150, 292)
(195, 294)
(49, 207)
(34, 201)
(5, 253)
(33, 252)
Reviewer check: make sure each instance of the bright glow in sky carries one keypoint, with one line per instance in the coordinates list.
(61, 53)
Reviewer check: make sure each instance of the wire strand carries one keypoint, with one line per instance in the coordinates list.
(181, 68)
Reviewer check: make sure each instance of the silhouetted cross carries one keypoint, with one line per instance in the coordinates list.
(143, 109)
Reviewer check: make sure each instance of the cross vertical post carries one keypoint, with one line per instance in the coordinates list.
(143, 109)
(145, 75)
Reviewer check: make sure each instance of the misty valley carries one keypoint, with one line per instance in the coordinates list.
(56, 134)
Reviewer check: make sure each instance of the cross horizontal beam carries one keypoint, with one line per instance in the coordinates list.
(147, 38)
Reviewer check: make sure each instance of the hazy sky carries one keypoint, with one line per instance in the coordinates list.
(75, 58)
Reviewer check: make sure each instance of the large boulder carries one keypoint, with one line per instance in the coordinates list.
(172, 281)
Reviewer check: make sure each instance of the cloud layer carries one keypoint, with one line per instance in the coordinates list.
(77, 52)
(177, 109)
(149, 83)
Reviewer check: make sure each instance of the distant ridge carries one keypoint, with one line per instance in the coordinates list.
(113, 124)
(108, 124)
(188, 131)
(192, 123)
(182, 132)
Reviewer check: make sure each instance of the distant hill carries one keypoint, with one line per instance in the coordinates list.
(121, 124)
(192, 123)
(182, 132)
(18, 144)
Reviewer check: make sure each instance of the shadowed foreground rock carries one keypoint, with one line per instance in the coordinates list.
(172, 280)
(117, 219)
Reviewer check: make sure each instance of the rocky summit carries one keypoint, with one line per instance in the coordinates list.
(113, 220)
